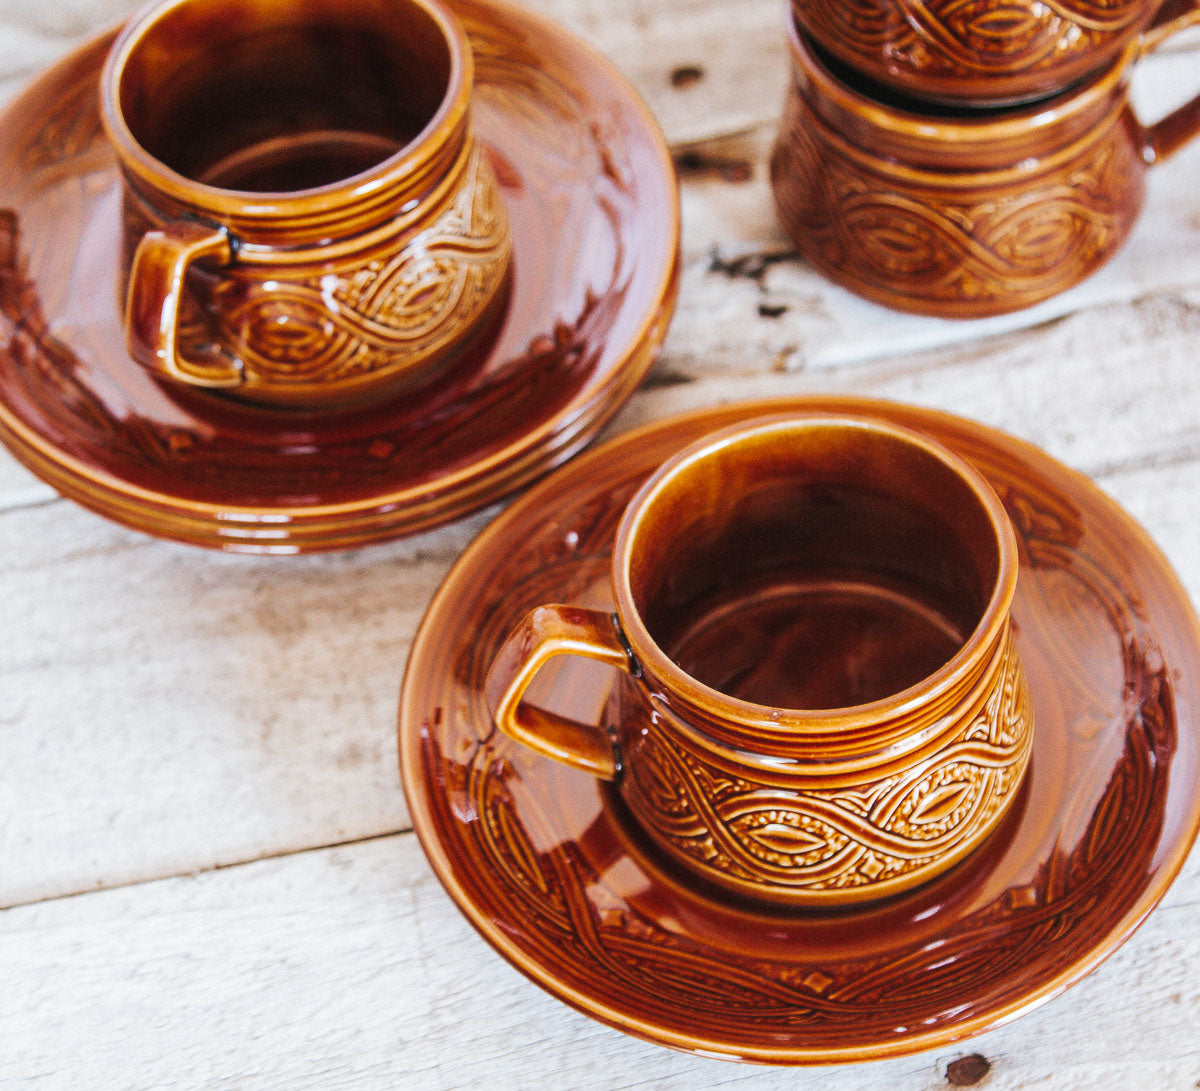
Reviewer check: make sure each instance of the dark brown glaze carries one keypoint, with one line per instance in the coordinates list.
(545, 862)
(983, 52)
(577, 156)
(309, 221)
(961, 214)
(812, 639)
(890, 768)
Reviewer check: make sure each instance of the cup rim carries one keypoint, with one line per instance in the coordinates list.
(955, 672)
(999, 123)
(413, 159)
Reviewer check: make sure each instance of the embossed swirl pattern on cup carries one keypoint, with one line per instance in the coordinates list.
(387, 312)
(968, 37)
(846, 836)
(926, 243)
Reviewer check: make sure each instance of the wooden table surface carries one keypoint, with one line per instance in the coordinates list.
(206, 865)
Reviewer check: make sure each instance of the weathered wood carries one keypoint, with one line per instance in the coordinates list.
(350, 968)
(18, 487)
(193, 710)
(1099, 389)
(164, 711)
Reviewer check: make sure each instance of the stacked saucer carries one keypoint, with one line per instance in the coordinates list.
(968, 160)
(443, 347)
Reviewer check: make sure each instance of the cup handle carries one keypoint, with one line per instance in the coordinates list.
(152, 304)
(544, 633)
(1167, 136)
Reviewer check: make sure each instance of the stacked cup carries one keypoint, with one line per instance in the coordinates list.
(965, 158)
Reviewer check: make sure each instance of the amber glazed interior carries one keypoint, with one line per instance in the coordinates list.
(556, 875)
(266, 97)
(812, 564)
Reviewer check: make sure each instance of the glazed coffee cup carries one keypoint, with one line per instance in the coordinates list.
(819, 698)
(308, 220)
(985, 52)
(962, 214)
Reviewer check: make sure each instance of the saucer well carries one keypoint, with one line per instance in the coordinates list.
(545, 863)
(591, 194)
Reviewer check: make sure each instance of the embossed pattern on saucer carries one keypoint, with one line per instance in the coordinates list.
(546, 865)
(591, 194)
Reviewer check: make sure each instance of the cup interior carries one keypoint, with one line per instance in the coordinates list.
(260, 96)
(813, 564)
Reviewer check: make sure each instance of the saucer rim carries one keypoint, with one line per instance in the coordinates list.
(411, 761)
(434, 502)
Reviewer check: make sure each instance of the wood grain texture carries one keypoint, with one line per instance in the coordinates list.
(164, 711)
(172, 711)
(195, 710)
(350, 968)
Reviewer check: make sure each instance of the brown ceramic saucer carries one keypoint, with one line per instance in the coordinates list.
(591, 194)
(545, 864)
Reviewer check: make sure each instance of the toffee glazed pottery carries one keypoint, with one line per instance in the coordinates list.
(985, 52)
(548, 865)
(309, 220)
(960, 214)
(590, 191)
(821, 700)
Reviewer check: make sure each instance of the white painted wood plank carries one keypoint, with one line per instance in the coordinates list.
(164, 710)
(1098, 389)
(173, 709)
(736, 55)
(350, 968)
(18, 487)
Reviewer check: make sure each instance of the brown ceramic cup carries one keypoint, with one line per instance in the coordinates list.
(820, 699)
(958, 214)
(308, 220)
(985, 52)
